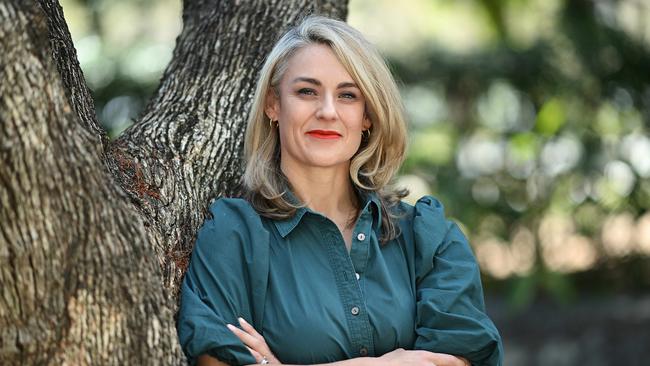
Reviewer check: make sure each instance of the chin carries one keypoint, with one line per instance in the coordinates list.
(327, 161)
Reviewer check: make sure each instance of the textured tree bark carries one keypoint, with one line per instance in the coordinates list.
(185, 149)
(95, 234)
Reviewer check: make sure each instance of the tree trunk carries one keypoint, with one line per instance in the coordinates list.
(95, 234)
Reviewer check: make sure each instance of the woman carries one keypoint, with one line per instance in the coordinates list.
(321, 258)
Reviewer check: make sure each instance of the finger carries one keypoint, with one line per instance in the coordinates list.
(249, 328)
(246, 338)
(258, 356)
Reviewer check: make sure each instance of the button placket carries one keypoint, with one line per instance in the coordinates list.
(361, 244)
(351, 292)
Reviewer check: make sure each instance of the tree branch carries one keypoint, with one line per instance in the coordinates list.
(185, 149)
(67, 64)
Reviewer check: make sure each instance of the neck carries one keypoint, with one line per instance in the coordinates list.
(325, 190)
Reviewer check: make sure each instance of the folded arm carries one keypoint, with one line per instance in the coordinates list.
(451, 315)
(259, 349)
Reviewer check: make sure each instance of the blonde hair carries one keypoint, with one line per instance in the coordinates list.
(379, 156)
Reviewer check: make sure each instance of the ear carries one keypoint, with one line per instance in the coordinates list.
(272, 107)
(367, 123)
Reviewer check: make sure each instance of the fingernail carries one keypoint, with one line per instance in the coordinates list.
(230, 326)
(241, 320)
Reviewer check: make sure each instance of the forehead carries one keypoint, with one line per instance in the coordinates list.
(316, 61)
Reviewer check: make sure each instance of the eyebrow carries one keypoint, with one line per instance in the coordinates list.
(345, 84)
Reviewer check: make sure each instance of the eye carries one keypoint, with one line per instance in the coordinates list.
(348, 95)
(306, 91)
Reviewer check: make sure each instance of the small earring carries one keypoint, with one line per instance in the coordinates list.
(271, 123)
(365, 134)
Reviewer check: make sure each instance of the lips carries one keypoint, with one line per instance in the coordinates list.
(324, 134)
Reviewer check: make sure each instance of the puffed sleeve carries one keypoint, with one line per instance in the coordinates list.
(226, 279)
(451, 315)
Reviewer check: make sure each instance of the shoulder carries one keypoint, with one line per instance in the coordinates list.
(435, 236)
(231, 222)
(234, 214)
(427, 213)
(233, 209)
(426, 224)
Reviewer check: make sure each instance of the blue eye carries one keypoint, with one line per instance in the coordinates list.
(348, 96)
(307, 91)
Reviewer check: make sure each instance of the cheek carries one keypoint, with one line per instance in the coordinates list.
(354, 115)
(285, 137)
(355, 142)
(288, 120)
(289, 137)
(356, 128)
(294, 109)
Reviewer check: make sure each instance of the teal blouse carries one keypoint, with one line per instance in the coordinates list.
(314, 302)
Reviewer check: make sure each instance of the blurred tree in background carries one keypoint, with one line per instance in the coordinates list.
(529, 120)
(123, 47)
(530, 123)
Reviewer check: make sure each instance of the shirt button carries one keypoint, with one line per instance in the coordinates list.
(354, 310)
(361, 236)
(358, 275)
(363, 351)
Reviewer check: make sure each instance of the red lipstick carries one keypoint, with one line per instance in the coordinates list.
(324, 134)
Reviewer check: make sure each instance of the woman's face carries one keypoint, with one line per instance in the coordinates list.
(320, 111)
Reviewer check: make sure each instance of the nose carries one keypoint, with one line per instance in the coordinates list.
(327, 109)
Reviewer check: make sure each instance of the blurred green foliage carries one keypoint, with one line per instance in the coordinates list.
(541, 128)
(529, 120)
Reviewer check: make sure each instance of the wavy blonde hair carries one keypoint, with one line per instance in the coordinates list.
(379, 155)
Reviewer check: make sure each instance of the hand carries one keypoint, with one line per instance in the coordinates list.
(421, 358)
(254, 342)
(443, 359)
